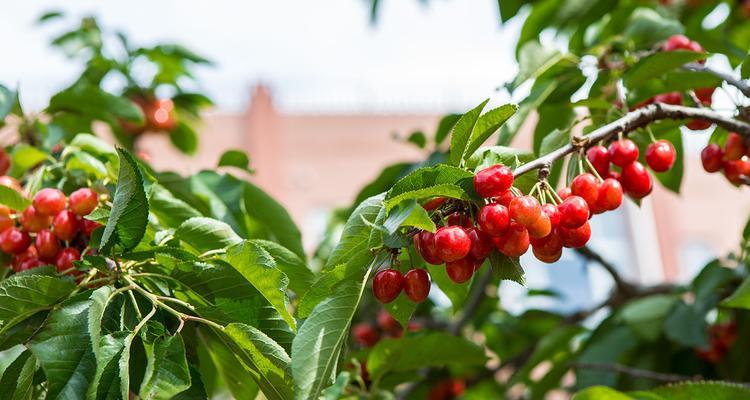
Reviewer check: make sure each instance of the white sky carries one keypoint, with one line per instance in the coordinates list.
(318, 56)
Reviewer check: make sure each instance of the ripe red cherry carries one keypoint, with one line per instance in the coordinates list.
(505, 198)
(515, 242)
(452, 243)
(47, 244)
(49, 201)
(623, 152)
(14, 241)
(460, 271)
(387, 285)
(65, 258)
(493, 181)
(548, 245)
(635, 180)
(33, 221)
(564, 192)
(585, 186)
(10, 182)
(553, 213)
(610, 194)
(735, 170)
(676, 42)
(546, 258)
(705, 95)
(459, 219)
(493, 219)
(599, 157)
(4, 162)
(481, 244)
(669, 98)
(417, 285)
(65, 225)
(576, 238)
(6, 221)
(574, 212)
(433, 204)
(83, 201)
(698, 125)
(541, 227)
(712, 158)
(88, 227)
(734, 147)
(365, 334)
(387, 323)
(424, 243)
(26, 260)
(660, 155)
(525, 210)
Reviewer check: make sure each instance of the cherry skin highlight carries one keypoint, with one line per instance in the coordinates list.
(83, 201)
(623, 152)
(49, 201)
(636, 181)
(585, 186)
(14, 241)
(493, 181)
(387, 285)
(452, 243)
(525, 210)
(610, 194)
(574, 212)
(660, 155)
(493, 219)
(417, 285)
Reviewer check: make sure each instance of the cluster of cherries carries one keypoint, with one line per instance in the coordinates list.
(733, 160)
(159, 116)
(51, 230)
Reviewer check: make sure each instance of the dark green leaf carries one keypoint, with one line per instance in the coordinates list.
(741, 297)
(168, 209)
(401, 309)
(656, 65)
(646, 27)
(646, 316)
(235, 158)
(167, 371)
(259, 205)
(438, 181)
(17, 379)
(444, 127)
(184, 138)
(91, 100)
(417, 138)
(7, 102)
(695, 390)
(507, 268)
(23, 295)
(129, 216)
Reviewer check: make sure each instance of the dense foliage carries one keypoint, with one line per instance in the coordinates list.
(119, 281)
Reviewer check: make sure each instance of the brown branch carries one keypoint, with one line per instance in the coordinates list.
(740, 84)
(638, 119)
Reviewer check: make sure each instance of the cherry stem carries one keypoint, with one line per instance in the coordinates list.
(592, 169)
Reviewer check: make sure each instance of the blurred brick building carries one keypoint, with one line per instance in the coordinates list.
(314, 162)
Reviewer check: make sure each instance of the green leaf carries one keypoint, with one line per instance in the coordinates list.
(408, 213)
(507, 268)
(299, 274)
(93, 145)
(111, 379)
(91, 100)
(685, 324)
(672, 179)
(168, 209)
(316, 348)
(487, 124)
(646, 27)
(228, 366)
(167, 371)
(645, 316)
(440, 180)
(740, 298)
(444, 127)
(259, 268)
(87, 163)
(13, 199)
(262, 207)
(23, 158)
(695, 390)
(63, 348)
(456, 292)
(184, 138)
(353, 244)
(414, 353)
(657, 64)
(23, 295)
(235, 158)
(744, 70)
(600, 393)
(18, 377)
(129, 216)
(418, 139)
(204, 234)
(533, 60)
(7, 101)
(462, 133)
(401, 309)
(267, 358)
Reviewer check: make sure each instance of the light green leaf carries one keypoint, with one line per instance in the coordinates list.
(300, 276)
(408, 213)
(204, 234)
(487, 124)
(600, 393)
(659, 63)
(167, 371)
(91, 100)
(456, 292)
(645, 317)
(129, 216)
(740, 298)
(353, 244)
(168, 209)
(695, 390)
(438, 181)
(235, 158)
(23, 158)
(227, 366)
(87, 163)
(93, 145)
(13, 199)
(109, 383)
(444, 127)
(646, 27)
(462, 133)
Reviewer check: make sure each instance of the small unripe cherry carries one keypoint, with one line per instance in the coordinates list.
(546, 258)
(365, 334)
(635, 180)
(660, 155)
(623, 152)
(698, 124)
(83, 201)
(14, 240)
(505, 198)
(493, 181)
(525, 210)
(33, 221)
(553, 213)
(734, 147)
(6, 221)
(712, 158)
(433, 204)
(515, 241)
(452, 243)
(493, 219)
(585, 186)
(610, 194)
(541, 227)
(424, 243)
(481, 244)
(65, 225)
(47, 244)
(417, 285)
(387, 285)
(599, 157)
(576, 238)
(669, 98)
(574, 212)
(460, 271)
(548, 245)
(49, 201)
(65, 258)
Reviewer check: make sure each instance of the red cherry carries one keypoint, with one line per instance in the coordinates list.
(660, 155)
(387, 285)
(424, 243)
(698, 125)
(734, 147)
(636, 181)
(459, 219)
(553, 213)
(525, 210)
(65, 258)
(65, 225)
(493, 219)
(548, 245)
(610, 194)
(387, 323)
(49, 201)
(705, 95)
(417, 285)
(574, 212)
(505, 198)
(14, 241)
(669, 98)
(365, 334)
(564, 192)
(83, 201)
(541, 227)
(676, 42)
(493, 181)
(546, 258)
(599, 157)
(576, 238)
(10, 182)
(160, 115)
(47, 244)
(33, 221)
(623, 152)
(433, 204)
(461, 270)
(88, 227)
(6, 221)
(4, 162)
(515, 242)
(28, 259)
(481, 244)
(585, 186)
(452, 243)
(735, 170)
(712, 158)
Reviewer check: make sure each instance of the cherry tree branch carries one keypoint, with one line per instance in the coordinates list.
(740, 84)
(634, 120)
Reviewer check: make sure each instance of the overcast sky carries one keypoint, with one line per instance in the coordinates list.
(318, 56)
